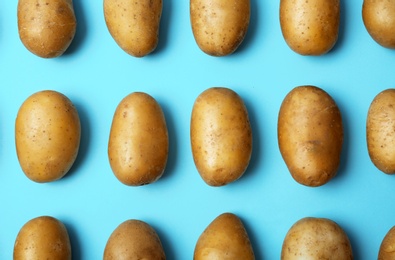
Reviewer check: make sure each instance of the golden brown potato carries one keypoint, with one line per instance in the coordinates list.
(46, 27)
(134, 25)
(387, 247)
(221, 136)
(226, 239)
(310, 135)
(219, 26)
(47, 135)
(43, 238)
(138, 145)
(134, 239)
(310, 27)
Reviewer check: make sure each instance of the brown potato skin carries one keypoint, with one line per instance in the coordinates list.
(386, 251)
(316, 238)
(43, 237)
(134, 239)
(225, 238)
(221, 136)
(134, 25)
(310, 135)
(47, 136)
(219, 26)
(46, 27)
(310, 27)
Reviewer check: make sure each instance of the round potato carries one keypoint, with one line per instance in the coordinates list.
(310, 27)
(386, 251)
(310, 135)
(221, 136)
(219, 26)
(46, 27)
(47, 136)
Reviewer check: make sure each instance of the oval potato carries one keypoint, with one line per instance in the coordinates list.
(221, 136)
(310, 135)
(386, 251)
(47, 136)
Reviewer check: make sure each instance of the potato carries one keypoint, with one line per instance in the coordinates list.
(310, 135)
(221, 136)
(225, 238)
(43, 237)
(219, 26)
(134, 239)
(316, 238)
(134, 25)
(46, 27)
(387, 247)
(310, 27)
(138, 145)
(47, 136)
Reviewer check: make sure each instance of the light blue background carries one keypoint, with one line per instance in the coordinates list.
(96, 74)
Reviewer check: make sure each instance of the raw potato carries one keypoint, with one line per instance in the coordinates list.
(134, 24)
(221, 137)
(43, 237)
(380, 133)
(310, 27)
(138, 145)
(386, 251)
(379, 19)
(134, 239)
(46, 27)
(47, 136)
(316, 238)
(219, 26)
(310, 135)
(226, 239)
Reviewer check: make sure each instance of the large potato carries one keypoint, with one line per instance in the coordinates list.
(310, 135)
(219, 26)
(221, 136)
(46, 27)
(310, 27)
(387, 247)
(134, 25)
(47, 135)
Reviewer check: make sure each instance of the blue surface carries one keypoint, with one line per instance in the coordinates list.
(96, 74)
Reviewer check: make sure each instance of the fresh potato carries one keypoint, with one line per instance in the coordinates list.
(47, 135)
(43, 237)
(316, 238)
(225, 238)
(219, 26)
(46, 27)
(310, 135)
(134, 239)
(138, 145)
(310, 27)
(134, 25)
(221, 137)
(387, 247)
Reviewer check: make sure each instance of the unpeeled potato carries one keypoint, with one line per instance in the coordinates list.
(387, 247)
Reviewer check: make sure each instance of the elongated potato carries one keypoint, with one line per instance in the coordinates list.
(386, 251)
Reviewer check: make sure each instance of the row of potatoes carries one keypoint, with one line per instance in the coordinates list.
(47, 27)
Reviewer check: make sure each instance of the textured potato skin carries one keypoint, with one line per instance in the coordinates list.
(219, 26)
(225, 238)
(387, 247)
(47, 136)
(221, 136)
(134, 25)
(310, 27)
(310, 135)
(43, 237)
(46, 27)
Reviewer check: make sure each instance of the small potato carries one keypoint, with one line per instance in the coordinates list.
(43, 238)
(138, 145)
(134, 239)
(134, 25)
(47, 136)
(46, 27)
(219, 26)
(310, 27)
(386, 251)
(316, 238)
(225, 238)
(310, 135)
(221, 137)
